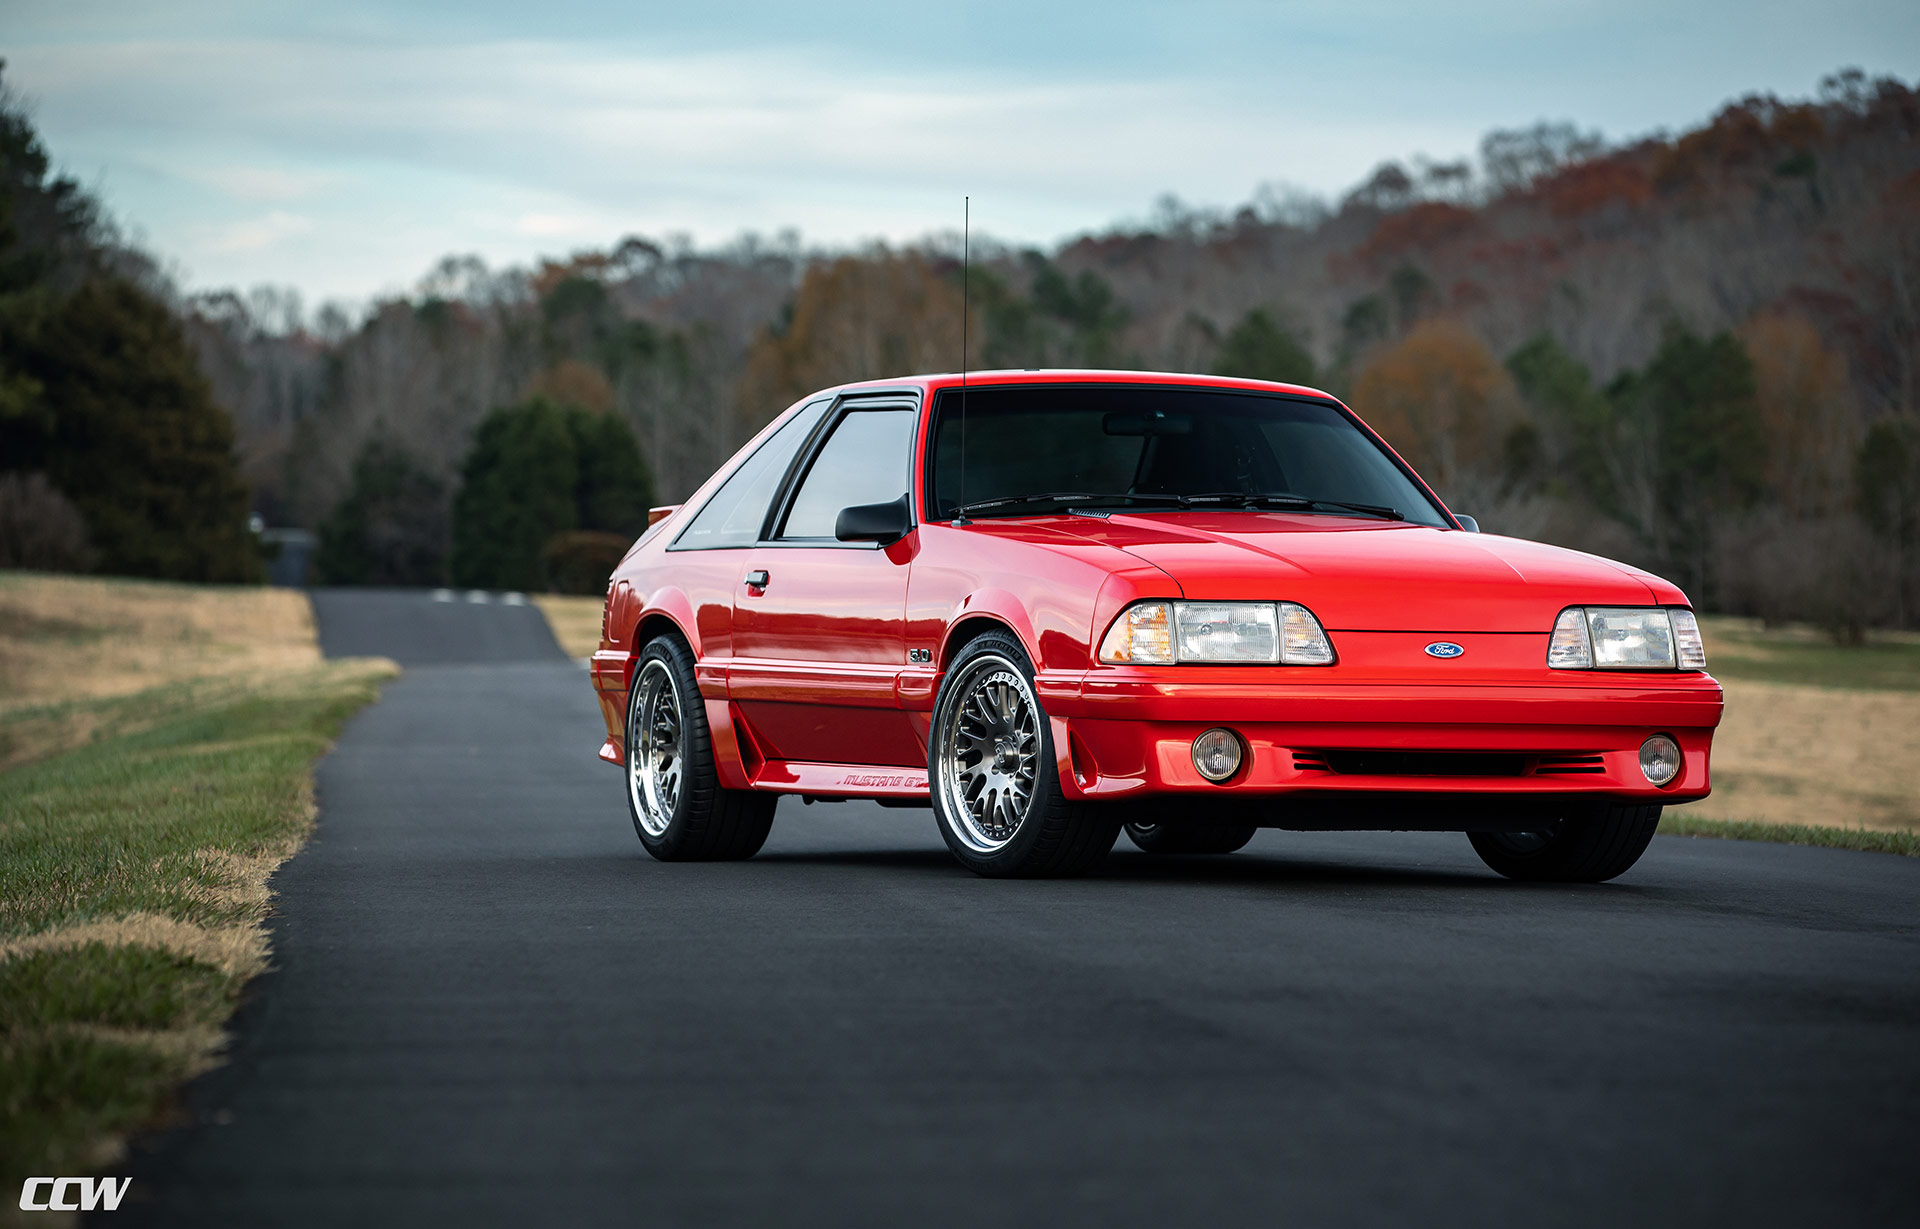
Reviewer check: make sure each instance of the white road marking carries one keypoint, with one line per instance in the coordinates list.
(478, 597)
(443, 595)
(514, 599)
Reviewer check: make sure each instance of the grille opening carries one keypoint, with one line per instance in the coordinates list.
(1427, 763)
(1391, 763)
(1561, 764)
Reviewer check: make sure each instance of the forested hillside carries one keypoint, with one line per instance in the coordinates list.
(1697, 352)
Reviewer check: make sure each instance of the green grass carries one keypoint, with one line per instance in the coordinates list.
(120, 825)
(158, 814)
(1866, 839)
(61, 1093)
(1739, 649)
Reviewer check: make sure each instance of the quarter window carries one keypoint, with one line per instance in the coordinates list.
(864, 461)
(736, 512)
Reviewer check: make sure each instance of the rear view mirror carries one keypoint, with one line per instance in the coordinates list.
(1467, 523)
(884, 523)
(1157, 423)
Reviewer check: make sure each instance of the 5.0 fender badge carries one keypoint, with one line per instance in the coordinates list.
(1444, 648)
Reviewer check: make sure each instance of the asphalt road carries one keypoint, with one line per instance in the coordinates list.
(491, 1007)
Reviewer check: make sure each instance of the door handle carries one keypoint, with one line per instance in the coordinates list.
(757, 580)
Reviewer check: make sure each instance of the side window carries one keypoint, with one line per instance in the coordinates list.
(734, 514)
(864, 461)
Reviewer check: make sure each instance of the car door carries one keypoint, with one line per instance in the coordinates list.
(819, 624)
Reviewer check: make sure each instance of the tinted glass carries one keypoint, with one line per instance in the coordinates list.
(864, 461)
(735, 513)
(1125, 440)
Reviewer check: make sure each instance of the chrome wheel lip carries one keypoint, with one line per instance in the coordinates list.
(656, 760)
(987, 754)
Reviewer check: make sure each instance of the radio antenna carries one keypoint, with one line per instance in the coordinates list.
(966, 289)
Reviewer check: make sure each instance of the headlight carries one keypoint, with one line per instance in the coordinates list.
(1626, 638)
(1222, 633)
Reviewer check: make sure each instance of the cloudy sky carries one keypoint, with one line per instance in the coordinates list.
(343, 148)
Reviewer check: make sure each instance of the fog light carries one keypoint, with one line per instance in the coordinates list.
(1217, 753)
(1659, 759)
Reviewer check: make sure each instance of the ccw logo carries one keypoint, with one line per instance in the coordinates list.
(94, 1193)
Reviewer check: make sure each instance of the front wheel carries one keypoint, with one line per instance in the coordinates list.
(993, 775)
(1591, 848)
(673, 791)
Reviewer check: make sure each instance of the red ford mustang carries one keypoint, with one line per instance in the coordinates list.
(1055, 604)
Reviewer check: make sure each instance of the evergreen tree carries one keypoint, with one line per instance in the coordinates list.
(1571, 417)
(99, 389)
(614, 490)
(1887, 494)
(1691, 422)
(391, 526)
(1259, 348)
(129, 432)
(537, 471)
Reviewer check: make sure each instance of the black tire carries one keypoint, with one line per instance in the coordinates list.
(705, 823)
(1052, 836)
(1590, 848)
(1191, 836)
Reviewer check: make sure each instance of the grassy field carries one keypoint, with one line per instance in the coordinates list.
(157, 743)
(1817, 739)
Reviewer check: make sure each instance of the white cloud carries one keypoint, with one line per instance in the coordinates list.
(263, 183)
(556, 226)
(264, 231)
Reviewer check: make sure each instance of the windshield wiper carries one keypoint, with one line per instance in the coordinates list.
(1299, 503)
(1062, 497)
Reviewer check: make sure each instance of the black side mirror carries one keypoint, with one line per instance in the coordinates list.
(1467, 523)
(884, 523)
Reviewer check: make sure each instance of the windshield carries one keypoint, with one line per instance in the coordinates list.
(1148, 448)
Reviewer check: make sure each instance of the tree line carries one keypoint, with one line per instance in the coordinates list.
(1696, 353)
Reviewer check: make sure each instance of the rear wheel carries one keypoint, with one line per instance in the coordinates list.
(1591, 848)
(1194, 836)
(995, 784)
(673, 792)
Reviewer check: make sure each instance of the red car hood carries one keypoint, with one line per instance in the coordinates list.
(1371, 575)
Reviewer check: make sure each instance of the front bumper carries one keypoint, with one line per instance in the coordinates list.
(1128, 733)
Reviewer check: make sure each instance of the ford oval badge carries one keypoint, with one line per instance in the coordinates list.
(1444, 648)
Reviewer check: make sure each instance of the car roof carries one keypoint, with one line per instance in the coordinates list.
(1071, 375)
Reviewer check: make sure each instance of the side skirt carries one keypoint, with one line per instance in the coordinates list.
(883, 781)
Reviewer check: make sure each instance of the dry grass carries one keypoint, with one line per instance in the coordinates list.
(1814, 733)
(67, 637)
(575, 621)
(1810, 755)
(70, 645)
(234, 950)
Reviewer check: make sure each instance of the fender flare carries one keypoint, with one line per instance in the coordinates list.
(992, 605)
(673, 607)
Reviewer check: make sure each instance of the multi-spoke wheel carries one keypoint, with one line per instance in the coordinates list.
(996, 792)
(654, 760)
(991, 754)
(673, 792)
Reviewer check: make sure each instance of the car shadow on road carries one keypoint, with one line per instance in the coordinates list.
(1245, 870)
